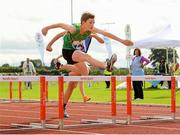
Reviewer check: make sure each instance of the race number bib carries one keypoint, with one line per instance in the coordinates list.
(78, 45)
(82, 45)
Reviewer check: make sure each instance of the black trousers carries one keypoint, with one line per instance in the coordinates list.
(138, 91)
(169, 84)
(107, 84)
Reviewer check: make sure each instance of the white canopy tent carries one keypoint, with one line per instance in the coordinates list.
(167, 38)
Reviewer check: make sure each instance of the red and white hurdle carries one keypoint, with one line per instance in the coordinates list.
(44, 90)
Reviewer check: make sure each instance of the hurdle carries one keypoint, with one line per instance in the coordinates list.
(11, 80)
(83, 122)
(152, 118)
(60, 125)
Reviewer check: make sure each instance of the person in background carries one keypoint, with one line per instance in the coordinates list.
(174, 68)
(137, 65)
(163, 69)
(28, 69)
(107, 73)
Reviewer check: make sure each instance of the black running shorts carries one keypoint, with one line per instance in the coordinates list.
(67, 55)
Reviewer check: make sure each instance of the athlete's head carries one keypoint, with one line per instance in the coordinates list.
(87, 20)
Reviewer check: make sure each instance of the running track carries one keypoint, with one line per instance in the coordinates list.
(26, 113)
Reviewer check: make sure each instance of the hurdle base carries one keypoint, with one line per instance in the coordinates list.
(106, 121)
(83, 124)
(152, 119)
(161, 117)
(24, 126)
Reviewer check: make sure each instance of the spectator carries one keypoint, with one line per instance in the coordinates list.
(163, 69)
(107, 73)
(137, 65)
(28, 69)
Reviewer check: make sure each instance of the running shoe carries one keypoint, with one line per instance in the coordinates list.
(66, 115)
(86, 98)
(111, 62)
(58, 65)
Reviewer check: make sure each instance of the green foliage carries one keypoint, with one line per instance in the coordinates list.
(149, 71)
(45, 71)
(121, 71)
(5, 65)
(158, 54)
(10, 70)
(96, 72)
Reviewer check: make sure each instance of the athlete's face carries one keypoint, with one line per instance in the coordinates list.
(89, 24)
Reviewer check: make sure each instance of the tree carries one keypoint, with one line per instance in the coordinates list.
(6, 65)
(158, 54)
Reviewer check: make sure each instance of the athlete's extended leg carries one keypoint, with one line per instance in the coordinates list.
(80, 56)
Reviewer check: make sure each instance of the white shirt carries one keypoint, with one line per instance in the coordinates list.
(28, 68)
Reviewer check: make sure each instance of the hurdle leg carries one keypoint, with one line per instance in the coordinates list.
(20, 90)
(129, 103)
(61, 101)
(46, 90)
(10, 90)
(173, 97)
(42, 102)
(113, 98)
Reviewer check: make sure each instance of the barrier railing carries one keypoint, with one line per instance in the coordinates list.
(44, 91)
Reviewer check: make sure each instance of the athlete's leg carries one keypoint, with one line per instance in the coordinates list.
(84, 70)
(81, 68)
(81, 87)
(70, 88)
(80, 56)
(71, 68)
(68, 93)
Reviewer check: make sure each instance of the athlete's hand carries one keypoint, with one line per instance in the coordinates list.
(48, 48)
(127, 42)
(44, 31)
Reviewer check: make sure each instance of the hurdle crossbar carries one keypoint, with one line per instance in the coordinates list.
(173, 80)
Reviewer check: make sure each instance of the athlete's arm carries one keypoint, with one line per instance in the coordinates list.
(49, 48)
(112, 36)
(99, 39)
(64, 26)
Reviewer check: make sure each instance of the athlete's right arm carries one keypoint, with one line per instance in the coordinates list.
(64, 26)
(49, 48)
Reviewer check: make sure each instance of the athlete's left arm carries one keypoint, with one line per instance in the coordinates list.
(98, 38)
(112, 36)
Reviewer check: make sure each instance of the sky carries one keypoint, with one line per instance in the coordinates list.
(22, 19)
